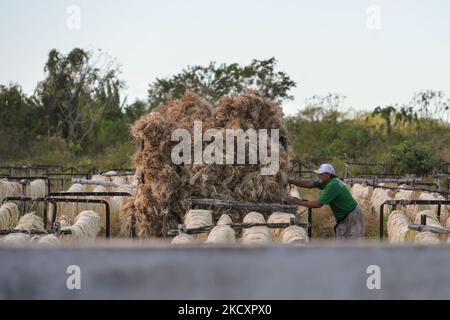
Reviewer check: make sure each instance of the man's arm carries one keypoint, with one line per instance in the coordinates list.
(305, 203)
(304, 183)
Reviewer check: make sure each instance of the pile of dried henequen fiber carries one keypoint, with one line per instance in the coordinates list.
(161, 200)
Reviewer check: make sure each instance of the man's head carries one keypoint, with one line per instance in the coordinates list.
(326, 172)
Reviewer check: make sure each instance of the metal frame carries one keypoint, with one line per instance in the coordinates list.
(53, 198)
(443, 193)
(348, 165)
(394, 203)
(29, 199)
(104, 202)
(32, 178)
(29, 168)
(87, 194)
(183, 229)
(260, 207)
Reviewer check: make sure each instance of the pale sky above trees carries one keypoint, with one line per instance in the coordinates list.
(373, 52)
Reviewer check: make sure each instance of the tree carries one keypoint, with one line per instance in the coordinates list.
(388, 115)
(20, 122)
(327, 107)
(432, 104)
(78, 90)
(212, 82)
(412, 157)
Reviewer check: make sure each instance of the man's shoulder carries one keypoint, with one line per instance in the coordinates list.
(336, 182)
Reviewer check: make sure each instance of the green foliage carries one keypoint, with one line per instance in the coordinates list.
(213, 82)
(80, 88)
(77, 116)
(412, 157)
(51, 150)
(20, 123)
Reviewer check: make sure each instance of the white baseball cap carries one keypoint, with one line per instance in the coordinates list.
(325, 168)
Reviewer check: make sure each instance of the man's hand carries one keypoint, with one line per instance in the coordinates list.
(304, 183)
(305, 203)
(295, 200)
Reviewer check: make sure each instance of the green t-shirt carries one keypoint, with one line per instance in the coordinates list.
(337, 196)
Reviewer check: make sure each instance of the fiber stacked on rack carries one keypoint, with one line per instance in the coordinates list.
(184, 238)
(36, 189)
(427, 238)
(431, 218)
(362, 194)
(302, 211)
(97, 178)
(27, 222)
(257, 234)
(397, 228)
(86, 227)
(49, 240)
(379, 196)
(222, 232)
(70, 209)
(434, 208)
(294, 234)
(432, 221)
(160, 202)
(9, 216)
(30, 221)
(16, 238)
(279, 217)
(407, 195)
(99, 208)
(196, 218)
(9, 189)
(119, 180)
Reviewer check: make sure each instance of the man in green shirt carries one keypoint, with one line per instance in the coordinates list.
(335, 194)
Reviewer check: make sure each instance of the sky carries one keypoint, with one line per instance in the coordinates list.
(373, 52)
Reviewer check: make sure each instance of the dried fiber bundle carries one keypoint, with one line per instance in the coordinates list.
(49, 240)
(160, 202)
(71, 209)
(434, 208)
(379, 196)
(86, 227)
(115, 214)
(224, 219)
(362, 194)
(9, 189)
(126, 188)
(196, 218)
(100, 208)
(427, 238)
(184, 238)
(279, 217)
(431, 218)
(397, 228)
(17, 238)
(30, 221)
(258, 234)
(119, 180)
(294, 234)
(254, 217)
(221, 234)
(302, 212)
(36, 189)
(9, 215)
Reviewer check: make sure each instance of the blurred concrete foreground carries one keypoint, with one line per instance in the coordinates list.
(117, 270)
